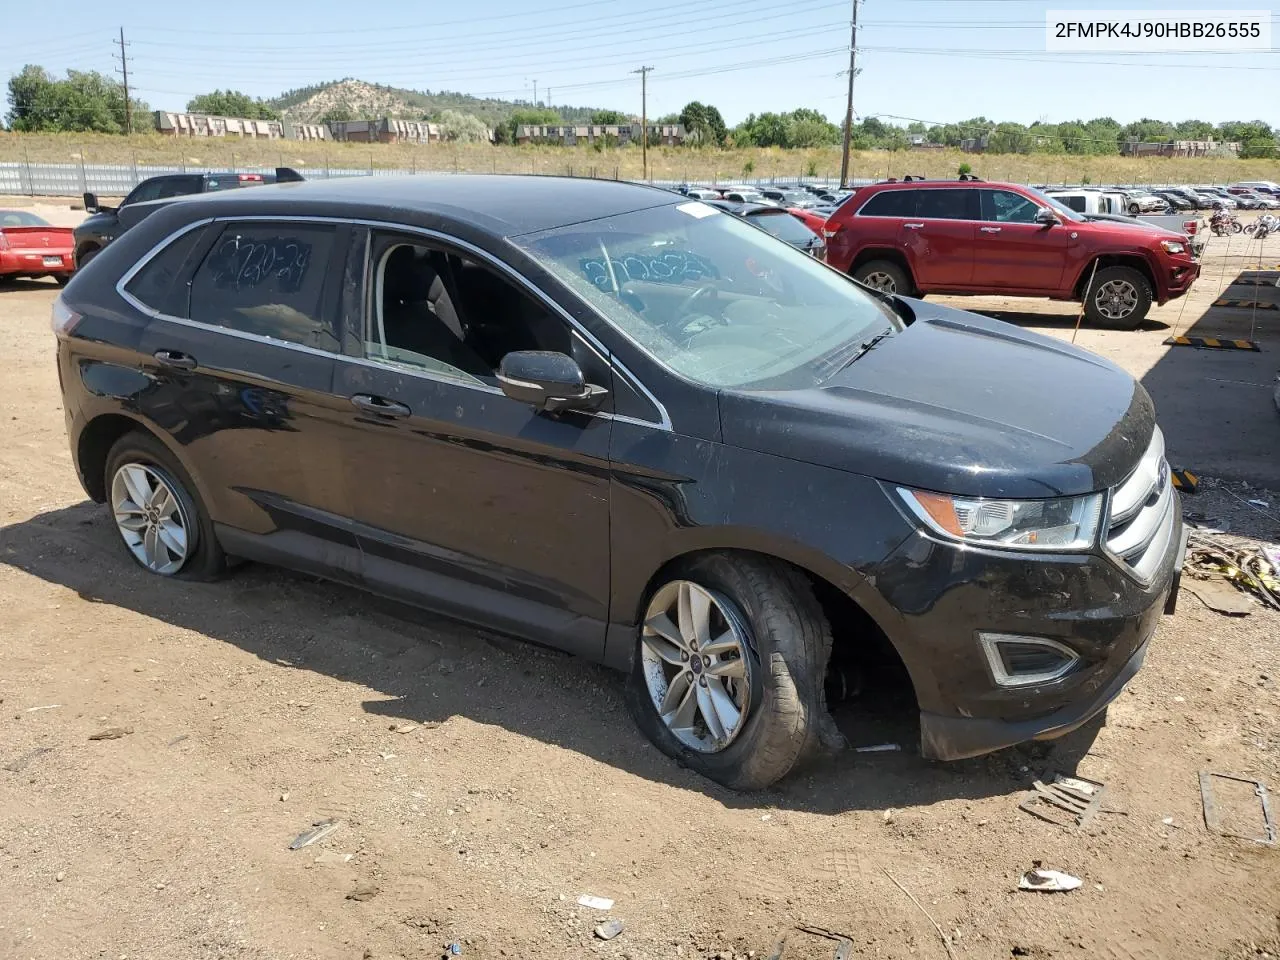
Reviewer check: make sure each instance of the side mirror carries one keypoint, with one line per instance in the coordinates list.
(90, 203)
(1046, 216)
(548, 381)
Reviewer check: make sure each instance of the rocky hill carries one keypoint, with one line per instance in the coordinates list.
(357, 99)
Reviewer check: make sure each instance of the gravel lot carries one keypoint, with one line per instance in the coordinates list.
(483, 785)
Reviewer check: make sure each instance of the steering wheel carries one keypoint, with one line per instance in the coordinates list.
(694, 301)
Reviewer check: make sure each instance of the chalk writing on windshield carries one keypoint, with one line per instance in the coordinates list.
(670, 267)
(281, 261)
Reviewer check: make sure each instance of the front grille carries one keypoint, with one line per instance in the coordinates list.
(1141, 517)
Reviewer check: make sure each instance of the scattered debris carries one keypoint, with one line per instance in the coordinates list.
(284, 796)
(319, 830)
(60, 877)
(111, 733)
(330, 859)
(1211, 560)
(764, 817)
(363, 891)
(1208, 525)
(406, 728)
(50, 706)
(1167, 821)
(1211, 813)
(1220, 598)
(1048, 881)
(454, 949)
(20, 764)
(177, 740)
(844, 946)
(386, 756)
(595, 903)
(1264, 504)
(608, 930)
(879, 748)
(946, 940)
(1065, 802)
(888, 815)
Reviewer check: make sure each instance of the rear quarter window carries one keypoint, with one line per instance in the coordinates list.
(890, 203)
(268, 280)
(161, 283)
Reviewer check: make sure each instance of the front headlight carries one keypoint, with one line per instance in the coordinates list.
(1063, 523)
(1173, 246)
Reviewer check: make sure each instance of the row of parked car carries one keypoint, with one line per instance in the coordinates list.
(1135, 201)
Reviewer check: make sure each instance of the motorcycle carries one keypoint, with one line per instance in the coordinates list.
(1266, 224)
(1222, 222)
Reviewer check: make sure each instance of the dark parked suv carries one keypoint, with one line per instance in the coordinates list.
(620, 422)
(105, 223)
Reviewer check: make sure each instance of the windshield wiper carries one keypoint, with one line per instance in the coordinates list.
(863, 348)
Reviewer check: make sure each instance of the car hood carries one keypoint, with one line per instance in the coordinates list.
(961, 404)
(1113, 221)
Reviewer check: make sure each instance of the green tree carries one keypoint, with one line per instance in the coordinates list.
(809, 128)
(231, 103)
(82, 102)
(703, 123)
(462, 127)
(337, 114)
(533, 116)
(1194, 130)
(607, 117)
(1259, 148)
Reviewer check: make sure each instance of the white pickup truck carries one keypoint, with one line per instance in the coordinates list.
(1111, 205)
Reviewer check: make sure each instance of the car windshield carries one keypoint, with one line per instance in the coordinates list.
(1057, 206)
(712, 298)
(783, 226)
(20, 218)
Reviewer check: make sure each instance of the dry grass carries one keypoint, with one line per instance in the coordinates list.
(669, 163)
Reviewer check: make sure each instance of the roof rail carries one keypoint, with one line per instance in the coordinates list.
(970, 176)
(908, 178)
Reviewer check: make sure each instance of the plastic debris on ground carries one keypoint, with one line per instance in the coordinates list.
(111, 733)
(609, 929)
(879, 748)
(1211, 560)
(319, 830)
(595, 903)
(1048, 881)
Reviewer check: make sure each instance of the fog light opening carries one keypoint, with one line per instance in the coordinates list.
(1018, 661)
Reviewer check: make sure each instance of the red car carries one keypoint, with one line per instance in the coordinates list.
(972, 237)
(32, 247)
(814, 221)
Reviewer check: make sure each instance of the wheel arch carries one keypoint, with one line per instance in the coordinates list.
(892, 254)
(100, 435)
(1136, 261)
(856, 611)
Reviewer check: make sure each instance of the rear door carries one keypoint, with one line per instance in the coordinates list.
(241, 349)
(1012, 251)
(939, 237)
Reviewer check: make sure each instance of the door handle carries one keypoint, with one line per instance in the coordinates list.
(913, 226)
(175, 359)
(380, 407)
(989, 229)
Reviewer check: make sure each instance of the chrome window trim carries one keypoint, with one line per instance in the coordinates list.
(505, 269)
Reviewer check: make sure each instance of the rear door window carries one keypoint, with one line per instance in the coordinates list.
(269, 279)
(891, 203)
(941, 204)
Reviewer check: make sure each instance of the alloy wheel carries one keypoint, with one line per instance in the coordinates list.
(151, 518)
(697, 665)
(1116, 299)
(880, 281)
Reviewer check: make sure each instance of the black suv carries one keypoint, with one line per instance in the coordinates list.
(105, 223)
(622, 423)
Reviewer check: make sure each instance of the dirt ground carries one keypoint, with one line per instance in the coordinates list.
(482, 785)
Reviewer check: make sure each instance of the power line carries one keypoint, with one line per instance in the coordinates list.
(644, 119)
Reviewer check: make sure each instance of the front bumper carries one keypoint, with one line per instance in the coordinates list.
(1180, 276)
(946, 594)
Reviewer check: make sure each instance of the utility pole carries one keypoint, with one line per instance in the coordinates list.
(848, 114)
(644, 118)
(535, 93)
(124, 69)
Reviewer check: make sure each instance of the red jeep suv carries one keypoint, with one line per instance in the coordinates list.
(973, 237)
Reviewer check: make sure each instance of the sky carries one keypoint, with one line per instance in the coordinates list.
(932, 60)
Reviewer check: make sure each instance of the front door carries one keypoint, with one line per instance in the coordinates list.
(1012, 251)
(465, 500)
(939, 238)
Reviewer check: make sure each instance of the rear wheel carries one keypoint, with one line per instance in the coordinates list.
(83, 258)
(729, 669)
(884, 276)
(1119, 298)
(157, 512)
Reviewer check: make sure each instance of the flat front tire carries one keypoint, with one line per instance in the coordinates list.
(157, 512)
(729, 668)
